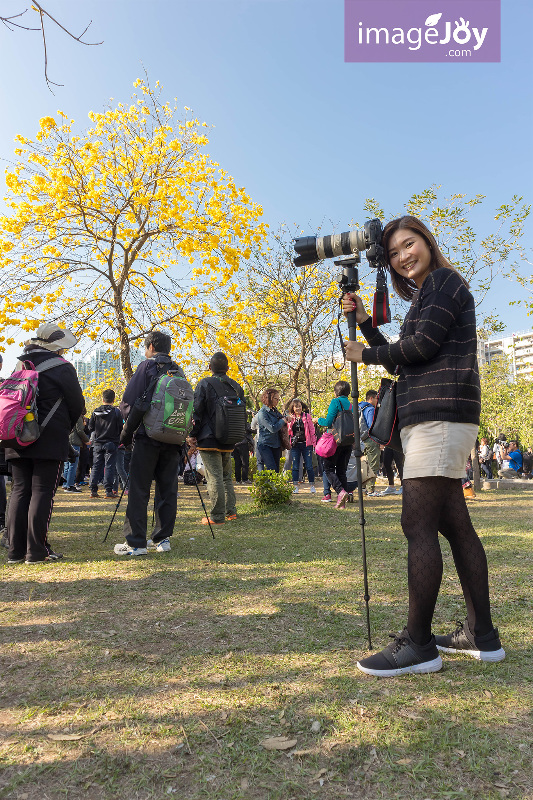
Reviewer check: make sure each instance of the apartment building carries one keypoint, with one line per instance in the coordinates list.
(518, 347)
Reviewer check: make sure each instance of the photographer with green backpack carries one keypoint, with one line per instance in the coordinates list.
(219, 423)
(157, 407)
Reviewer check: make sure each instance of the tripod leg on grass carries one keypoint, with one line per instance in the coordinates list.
(116, 508)
(199, 493)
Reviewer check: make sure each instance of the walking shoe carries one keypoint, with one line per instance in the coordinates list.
(231, 517)
(373, 494)
(111, 495)
(402, 656)
(163, 546)
(326, 498)
(462, 640)
(94, 494)
(312, 488)
(49, 559)
(205, 521)
(341, 499)
(399, 490)
(16, 560)
(71, 489)
(295, 489)
(388, 490)
(53, 556)
(127, 550)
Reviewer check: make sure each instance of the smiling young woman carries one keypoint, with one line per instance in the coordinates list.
(439, 402)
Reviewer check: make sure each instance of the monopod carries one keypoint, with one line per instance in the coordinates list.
(348, 281)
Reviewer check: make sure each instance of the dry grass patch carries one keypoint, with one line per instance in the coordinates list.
(167, 673)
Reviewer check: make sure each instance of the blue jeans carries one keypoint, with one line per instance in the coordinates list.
(270, 456)
(306, 451)
(69, 470)
(485, 467)
(104, 464)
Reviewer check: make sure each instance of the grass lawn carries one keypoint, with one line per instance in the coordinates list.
(161, 676)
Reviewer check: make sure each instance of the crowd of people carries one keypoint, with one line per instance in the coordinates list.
(438, 407)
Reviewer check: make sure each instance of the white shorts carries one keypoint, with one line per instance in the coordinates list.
(437, 449)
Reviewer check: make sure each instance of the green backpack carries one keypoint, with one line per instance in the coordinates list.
(169, 418)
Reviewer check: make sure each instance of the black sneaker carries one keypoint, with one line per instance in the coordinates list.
(462, 640)
(72, 488)
(402, 656)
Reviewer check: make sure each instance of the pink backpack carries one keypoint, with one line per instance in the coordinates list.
(19, 425)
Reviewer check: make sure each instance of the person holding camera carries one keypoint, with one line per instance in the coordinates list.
(439, 401)
(303, 439)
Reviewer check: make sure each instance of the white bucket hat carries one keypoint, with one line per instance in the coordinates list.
(51, 337)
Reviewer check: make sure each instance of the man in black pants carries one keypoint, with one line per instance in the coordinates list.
(105, 426)
(150, 460)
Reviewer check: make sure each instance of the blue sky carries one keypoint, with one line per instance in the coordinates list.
(307, 135)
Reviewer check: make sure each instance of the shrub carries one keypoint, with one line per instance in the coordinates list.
(271, 488)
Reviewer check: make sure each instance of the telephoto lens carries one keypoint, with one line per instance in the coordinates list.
(311, 249)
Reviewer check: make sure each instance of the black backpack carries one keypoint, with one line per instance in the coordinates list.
(343, 427)
(230, 414)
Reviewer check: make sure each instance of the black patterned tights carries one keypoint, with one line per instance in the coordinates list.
(433, 505)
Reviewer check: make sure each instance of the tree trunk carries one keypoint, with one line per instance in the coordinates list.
(125, 349)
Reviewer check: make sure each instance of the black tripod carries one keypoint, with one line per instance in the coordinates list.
(348, 281)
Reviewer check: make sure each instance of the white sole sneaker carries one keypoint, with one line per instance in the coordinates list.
(126, 550)
(416, 669)
(490, 656)
(163, 546)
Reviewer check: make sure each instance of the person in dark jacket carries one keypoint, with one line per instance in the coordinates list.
(77, 439)
(150, 460)
(216, 457)
(36, 468)
(105, 427)
(439, 402)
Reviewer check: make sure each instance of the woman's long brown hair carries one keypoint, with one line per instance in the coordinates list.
(405, 287)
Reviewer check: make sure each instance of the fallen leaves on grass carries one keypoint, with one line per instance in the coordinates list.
(65, 737)
(278, 743)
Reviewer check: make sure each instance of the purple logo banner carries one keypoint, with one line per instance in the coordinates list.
(414, 31)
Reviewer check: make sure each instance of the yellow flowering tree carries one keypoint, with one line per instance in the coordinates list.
(294, 310)
(121, 229)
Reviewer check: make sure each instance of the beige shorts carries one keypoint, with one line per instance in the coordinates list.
(437, 449)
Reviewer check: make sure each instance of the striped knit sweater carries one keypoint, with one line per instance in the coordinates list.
(436, 354)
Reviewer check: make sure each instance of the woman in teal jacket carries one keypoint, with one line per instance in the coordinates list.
(335, 466)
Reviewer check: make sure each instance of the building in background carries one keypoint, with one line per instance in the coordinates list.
(518, 348)
(95, 367)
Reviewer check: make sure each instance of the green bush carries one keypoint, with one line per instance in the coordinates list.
(271, 488)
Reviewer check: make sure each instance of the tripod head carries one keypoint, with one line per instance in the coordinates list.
(348, 279)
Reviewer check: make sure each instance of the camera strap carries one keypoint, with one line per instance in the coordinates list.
(381, 310)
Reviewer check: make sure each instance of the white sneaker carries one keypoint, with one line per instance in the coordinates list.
(295, 490)
(150, 545)
(399, 490)
(388, 490)
(163, 546)
(312, 488)
(126, 550)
